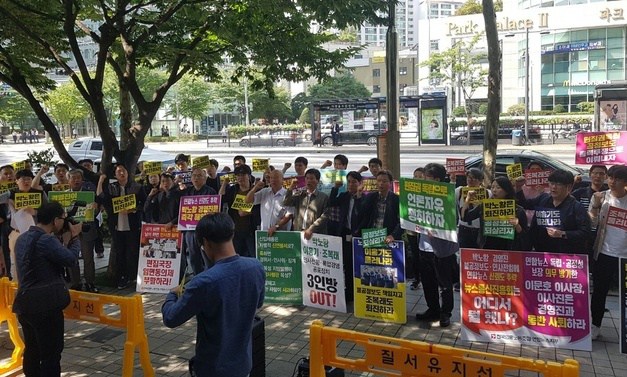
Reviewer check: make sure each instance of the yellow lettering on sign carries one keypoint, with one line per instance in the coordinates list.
(125, 202)
(27, 200)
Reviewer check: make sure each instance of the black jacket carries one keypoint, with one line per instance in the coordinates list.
(391, 219)
(343, 201)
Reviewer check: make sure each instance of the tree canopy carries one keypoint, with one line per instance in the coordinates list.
(342, 86)
(264, 40)
(476, 7)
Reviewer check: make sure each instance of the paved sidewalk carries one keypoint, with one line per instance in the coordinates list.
(96, 350)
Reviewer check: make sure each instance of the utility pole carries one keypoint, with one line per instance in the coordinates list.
(392, 136)
(526, 85)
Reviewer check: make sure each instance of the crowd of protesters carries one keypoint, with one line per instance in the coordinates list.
(560, 217)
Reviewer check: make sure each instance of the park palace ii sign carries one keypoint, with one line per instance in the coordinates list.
(503, 24)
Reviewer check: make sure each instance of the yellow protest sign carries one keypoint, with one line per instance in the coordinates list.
(230, 176)
(514, 171)
(201, 162)
(261, 164)
(6, 186)
(152, 168)
(480, 192)
(499, 209)
(60, 187)
(240, 203)
(124, 202)
(19, 165)
(27, 200)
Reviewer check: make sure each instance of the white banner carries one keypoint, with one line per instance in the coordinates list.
(323, 273)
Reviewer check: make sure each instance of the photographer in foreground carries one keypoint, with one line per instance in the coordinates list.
(42, 294)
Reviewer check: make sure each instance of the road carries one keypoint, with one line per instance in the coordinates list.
(412, 156)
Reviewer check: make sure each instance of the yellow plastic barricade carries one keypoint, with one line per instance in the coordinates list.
(89, 307)
(386, 356)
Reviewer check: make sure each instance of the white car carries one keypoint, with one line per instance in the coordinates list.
(92, 148)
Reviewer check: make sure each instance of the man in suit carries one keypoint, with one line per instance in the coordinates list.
(309, 205)
(349, 204)
(380, 209)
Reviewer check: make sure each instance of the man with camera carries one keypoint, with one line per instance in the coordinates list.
(88, 238)
(42, 294)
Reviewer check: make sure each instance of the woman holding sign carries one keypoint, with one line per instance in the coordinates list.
(503, 223)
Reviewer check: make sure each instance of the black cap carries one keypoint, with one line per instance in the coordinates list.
(24, 173)
(242, 169)
(181, 157)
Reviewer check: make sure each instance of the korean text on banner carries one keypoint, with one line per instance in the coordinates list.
(124, 202)
(428, 207)
(380, 290)
(159, 259)
(514, 171)
(455, 166)
(374, 236)
(496, 215)
(68, 198)
(193, 208)
(201, 162)
(323, 276)
(261, 164)
(300, 182)
(27, 200)
(240, 203)
(152, 168)
(528, 298)
(601, 148)
(280, 256)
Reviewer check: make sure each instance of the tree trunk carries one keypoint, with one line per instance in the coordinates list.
(490, 140)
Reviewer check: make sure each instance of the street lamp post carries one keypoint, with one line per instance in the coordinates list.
(526, 85)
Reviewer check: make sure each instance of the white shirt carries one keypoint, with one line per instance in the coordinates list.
(271, 206)
(615, 240)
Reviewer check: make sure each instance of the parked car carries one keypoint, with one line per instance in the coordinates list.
(92, 148)
(352, 137)
(270, 140)
(504, 132)
(524, 157)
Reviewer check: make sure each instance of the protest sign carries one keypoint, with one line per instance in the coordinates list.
(617, 218)
(369, 184)
(27, 200)
(193, 208)
(328, 177)
(374, 237)
(323, 273)
(68, 198)
(380, 291)
(152, 168)
(184, 176)
(261, 164)
(300, 182)
(60, 187)
(280, 256)
(528, 298)
(19, 165)
(455, 166)
(537, 177)
(514, 171)
(225, 176)
(496, 215)
(201, 162)
(622, 295)
(159, 259)
(124, 202)
(548, 217)
(601, 148)
(428, 207)
(240, 203)
(7, 186)
(480, 193)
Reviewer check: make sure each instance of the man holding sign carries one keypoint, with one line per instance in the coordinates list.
(124, 221)
(270, 199)
(560, 223)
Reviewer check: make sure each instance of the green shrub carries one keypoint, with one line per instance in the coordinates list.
(586, 107)
(483, 109)
(459, 111)
(559, 108)
(516, 110)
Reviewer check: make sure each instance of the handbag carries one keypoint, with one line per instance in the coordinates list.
(42, 297)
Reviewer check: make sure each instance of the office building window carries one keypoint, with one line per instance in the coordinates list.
(376, 89)
(402, 71)
(434, 45)
(376, 72)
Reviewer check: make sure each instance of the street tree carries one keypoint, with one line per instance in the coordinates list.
(270, 107)
(15, 112)
(476, 7)
(189, 98)
(342, 86)
(298, 103)
(67, 107)
(174, 36)
(460, 66)
(495, 57)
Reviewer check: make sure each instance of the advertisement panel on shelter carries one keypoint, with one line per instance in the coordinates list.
(380, 291)
(527, 298)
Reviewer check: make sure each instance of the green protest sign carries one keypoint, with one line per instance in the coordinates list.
(428, 207)
(280, 256)
(373, 237)
(496, 215)
(68, 198)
